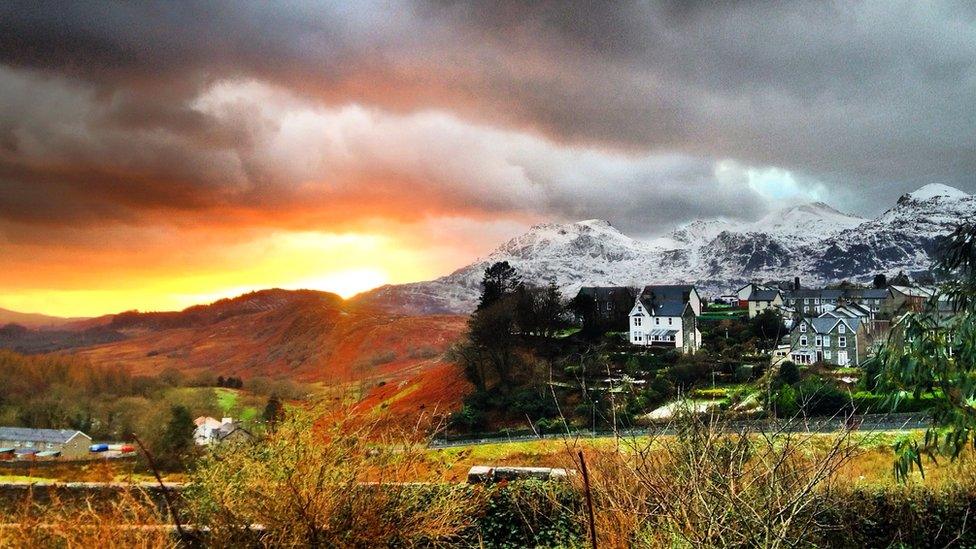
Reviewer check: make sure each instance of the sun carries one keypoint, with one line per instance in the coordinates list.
(346, 283)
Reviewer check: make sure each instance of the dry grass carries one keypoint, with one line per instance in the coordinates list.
(131, 521)
(324, 479)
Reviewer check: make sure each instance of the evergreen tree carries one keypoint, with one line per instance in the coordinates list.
(880, 281)
(273, 411)
(901, 279)
(175, 442)
(500, 280)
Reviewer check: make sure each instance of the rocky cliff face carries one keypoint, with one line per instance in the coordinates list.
(813, 241)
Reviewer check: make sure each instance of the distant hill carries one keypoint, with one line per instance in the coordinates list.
(34, 320)
(308, 335)
(814, 241)
(391, 360)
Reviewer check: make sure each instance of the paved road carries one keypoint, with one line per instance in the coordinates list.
(864, 423)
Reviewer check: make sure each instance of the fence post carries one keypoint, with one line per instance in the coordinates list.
(589, 499)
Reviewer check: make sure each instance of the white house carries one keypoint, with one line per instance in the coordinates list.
(209, 430)
(667, 316)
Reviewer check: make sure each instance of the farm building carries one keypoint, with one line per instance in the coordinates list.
(70, 444)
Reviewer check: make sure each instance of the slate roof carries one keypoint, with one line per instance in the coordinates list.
(824, 324)
(667, 308)
(23, 434)
(914, 291)
(868, 293)
(668, 292)
(763, 295)
(604, 293)
(803, 293)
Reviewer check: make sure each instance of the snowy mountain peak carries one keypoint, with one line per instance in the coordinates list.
(935, 190)
(699, 231)
(805, 215)
(593, 237)
(814, 241)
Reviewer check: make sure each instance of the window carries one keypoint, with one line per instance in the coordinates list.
(816, 301)
(819, 341)
(826, 341)
(841, 341)
(827, 354)
(803, 327)
(806, 300)
(657, 320)
(842, 328)
(670, 321)
(803, 341)
(639, 309)
(637, 321)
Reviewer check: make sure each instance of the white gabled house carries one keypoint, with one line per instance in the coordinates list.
(667, 316)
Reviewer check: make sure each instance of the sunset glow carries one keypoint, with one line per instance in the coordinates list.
(344, 264)
(153, 156)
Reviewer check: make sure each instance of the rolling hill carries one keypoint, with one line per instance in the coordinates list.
(303, 335)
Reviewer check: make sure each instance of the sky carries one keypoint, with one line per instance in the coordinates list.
(158, 155)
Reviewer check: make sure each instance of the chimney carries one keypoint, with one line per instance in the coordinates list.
(796, 283)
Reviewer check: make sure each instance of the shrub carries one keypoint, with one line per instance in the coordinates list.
(789, 373)
(743, 373)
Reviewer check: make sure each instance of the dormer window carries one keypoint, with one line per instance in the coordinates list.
(803, 327)
(842, 328)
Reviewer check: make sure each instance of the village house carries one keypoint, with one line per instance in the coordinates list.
(744, 293)
(907, 299)
(209, 430)
(760, 300)
(64, 443)
(812, 302)
(841, 341)
(667, 316)
(606, 306)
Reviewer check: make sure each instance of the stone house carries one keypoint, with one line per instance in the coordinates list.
(840, 341)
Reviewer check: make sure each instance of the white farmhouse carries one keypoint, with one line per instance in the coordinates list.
(210, 430)
(667, 316)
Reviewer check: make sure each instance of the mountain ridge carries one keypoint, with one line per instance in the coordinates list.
(814, 241)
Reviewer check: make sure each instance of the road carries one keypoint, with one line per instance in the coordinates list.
(864, 423)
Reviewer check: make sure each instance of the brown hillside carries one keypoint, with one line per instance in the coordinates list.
(310, 336)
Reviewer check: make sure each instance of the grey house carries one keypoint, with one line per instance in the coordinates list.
(811, 302)
(829, 339)
(70, 444)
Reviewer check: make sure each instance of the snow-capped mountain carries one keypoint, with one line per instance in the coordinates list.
(813, 241)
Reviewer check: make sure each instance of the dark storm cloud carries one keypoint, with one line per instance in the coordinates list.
(871, 99)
